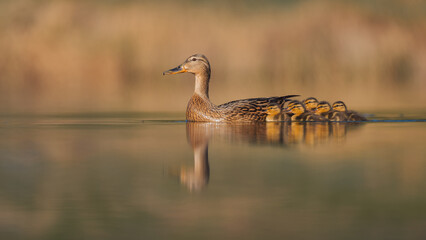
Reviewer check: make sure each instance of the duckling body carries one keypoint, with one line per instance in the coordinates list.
(309, 117)
(337, 116)
(286, 117)
(354, 116)
(201, 109)
(350, 115)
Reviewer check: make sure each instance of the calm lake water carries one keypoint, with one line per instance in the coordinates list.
(148, 176)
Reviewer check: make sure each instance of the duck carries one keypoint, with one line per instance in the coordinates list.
(311, 104)
(301, 114)
(350, 115)
(201, 109)
(324, 109)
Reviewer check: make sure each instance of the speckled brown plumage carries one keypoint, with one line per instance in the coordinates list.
(244, 110)
(201, 109)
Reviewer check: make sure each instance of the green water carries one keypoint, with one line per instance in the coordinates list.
(146, 176)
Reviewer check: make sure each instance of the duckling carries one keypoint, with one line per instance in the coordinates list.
(286, 115)
(324, 109)
(300, 113)
(350, 115)
(201, 109)
(311, 104)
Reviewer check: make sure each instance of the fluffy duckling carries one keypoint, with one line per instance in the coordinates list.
(350, 115)
(286, 115)
(324, 109)
(311, 104)
(300, 113)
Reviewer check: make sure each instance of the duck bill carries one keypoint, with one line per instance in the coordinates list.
(178, 69)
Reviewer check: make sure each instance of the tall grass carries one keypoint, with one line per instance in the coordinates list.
(61, 56)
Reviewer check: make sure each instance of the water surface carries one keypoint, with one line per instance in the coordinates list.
(145, 176)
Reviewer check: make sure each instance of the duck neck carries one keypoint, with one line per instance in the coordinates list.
(202, 84)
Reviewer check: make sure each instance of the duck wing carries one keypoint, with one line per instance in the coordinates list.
(254, 108)
(257, 102)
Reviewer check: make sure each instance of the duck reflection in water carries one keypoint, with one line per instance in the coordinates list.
(196, 178)
(281, 134)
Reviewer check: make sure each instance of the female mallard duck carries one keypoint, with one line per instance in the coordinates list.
(350, 115)
(311, 104)
(201, 109)
(324, 109)
(300, 113)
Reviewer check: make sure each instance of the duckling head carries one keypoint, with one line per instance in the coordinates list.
(339, 106)
(311, 103)
(296, 108)
(323, 107)
(196, 64)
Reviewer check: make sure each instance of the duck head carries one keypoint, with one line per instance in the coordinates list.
(339, 106)
(311, 103)
(323, 107)
(296, 108)
(196, 64)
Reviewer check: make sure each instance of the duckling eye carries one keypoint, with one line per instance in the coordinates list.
(194, 59)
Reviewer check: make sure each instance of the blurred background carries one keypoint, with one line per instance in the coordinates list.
(108, 55)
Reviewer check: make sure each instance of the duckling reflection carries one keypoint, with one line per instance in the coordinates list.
(309, 133)
(339, 131)
(316, 133)
(270, 133)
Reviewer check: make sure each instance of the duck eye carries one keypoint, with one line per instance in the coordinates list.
(194, 59)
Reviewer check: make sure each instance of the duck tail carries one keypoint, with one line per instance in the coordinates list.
(286, 98)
